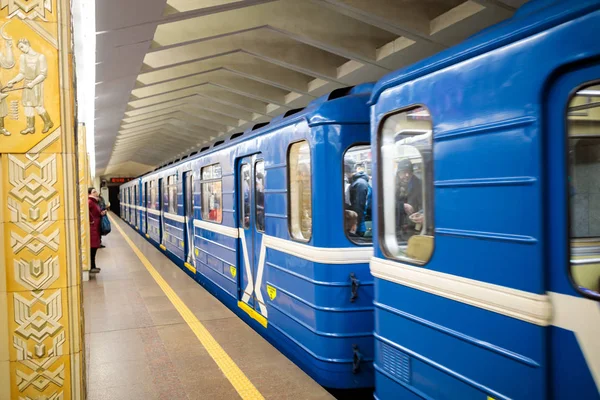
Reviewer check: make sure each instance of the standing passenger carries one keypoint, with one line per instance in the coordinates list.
(359, 193)
(410, 195)
(95, 221)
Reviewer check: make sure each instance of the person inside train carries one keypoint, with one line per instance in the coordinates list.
(350, 222)
(260, 201)
(360, 191)
(348, 165)
(409, 192)
(95, 226)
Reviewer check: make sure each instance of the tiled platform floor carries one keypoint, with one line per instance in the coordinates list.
(139, 347)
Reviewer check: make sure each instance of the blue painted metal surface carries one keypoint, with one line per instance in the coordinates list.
(311, 318)
(498, 104)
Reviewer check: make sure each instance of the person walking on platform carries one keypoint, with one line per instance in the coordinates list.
(95, 224)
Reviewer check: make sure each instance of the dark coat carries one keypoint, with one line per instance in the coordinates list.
(359, 189)
(95, 221)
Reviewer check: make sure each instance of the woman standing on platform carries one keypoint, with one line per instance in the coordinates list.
(95, 221)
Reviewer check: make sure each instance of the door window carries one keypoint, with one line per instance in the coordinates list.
(172, 193)
(246, 193)
(212, 193)
(407, 185)
(189, 195)
(300, 191)
(583, 127)
(358, 194)
(259, 199)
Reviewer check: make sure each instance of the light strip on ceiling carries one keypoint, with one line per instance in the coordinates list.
(84, 27)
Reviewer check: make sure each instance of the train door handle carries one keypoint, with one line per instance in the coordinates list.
(355, 283)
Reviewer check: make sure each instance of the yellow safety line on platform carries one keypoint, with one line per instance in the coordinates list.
(234, 374)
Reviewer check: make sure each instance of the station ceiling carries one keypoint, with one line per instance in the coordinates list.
(173, 75)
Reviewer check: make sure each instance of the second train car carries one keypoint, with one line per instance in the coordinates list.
(260, 220)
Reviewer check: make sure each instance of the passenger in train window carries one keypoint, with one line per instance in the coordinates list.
(409, 192)
(350, 222)
(246, 191)
(359, 192)
(347, 176)
(260, 200)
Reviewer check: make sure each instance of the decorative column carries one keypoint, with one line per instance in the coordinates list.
(84, 179)
(41, 335)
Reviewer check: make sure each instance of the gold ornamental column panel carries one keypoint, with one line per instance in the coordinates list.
(41, 336)
(84, 213)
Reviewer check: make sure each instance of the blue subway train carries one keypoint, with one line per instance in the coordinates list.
(258, 219)
(469, 265)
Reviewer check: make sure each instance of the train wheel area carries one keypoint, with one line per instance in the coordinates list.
(153, 333)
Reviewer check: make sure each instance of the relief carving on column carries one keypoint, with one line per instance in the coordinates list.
(39, 335)
(39, 201)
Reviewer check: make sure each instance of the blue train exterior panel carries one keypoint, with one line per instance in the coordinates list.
(479, 319)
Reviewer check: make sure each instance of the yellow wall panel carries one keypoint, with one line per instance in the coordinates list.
(33, 187)
(83, 182)
(41, 223)
(29, 77)
(3, 328)
(49, 377)
(37, 261)
(38, 323)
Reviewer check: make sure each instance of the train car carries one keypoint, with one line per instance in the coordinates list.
(130, 204)
(487, 235)
(271, 222)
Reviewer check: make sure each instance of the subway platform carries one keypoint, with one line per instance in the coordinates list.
(154, 333)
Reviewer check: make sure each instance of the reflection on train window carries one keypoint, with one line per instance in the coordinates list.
(259, 199)
(189, 194)
(407, 185)
(212, 193)
(152, 203)
(300, 191)
(357, 194)
(172, 193)
(584, 188)
(245, 217)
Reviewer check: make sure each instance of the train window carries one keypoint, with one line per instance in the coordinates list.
(212, 193)
(259, 197)
(300, 191)
(146, 195)
(357, 194)
(172, 193)
(406, 185)
(152, 203)
(245, 214)
(583, 123)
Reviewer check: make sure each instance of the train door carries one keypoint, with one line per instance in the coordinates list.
(573, 219)
(252, 227)
(188, 204)
(135, 207)
(161, 204)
